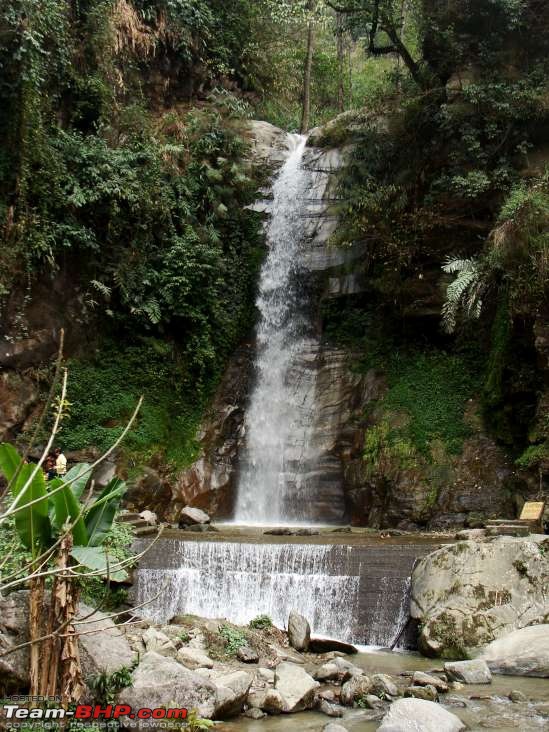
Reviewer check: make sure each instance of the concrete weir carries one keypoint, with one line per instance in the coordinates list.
(355, 591)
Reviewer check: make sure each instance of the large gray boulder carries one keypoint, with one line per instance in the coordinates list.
(468, 672)
(418, 715)
(103, 646)
(299, 632)
(468, 594)
(159, 681)
(523, 652)
(296, 686)
(232, 690)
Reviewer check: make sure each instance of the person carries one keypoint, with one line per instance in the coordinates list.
(49, 467)
(60, 462)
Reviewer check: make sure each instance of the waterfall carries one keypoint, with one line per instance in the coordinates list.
(277, 462)
(357, 593)
(242, 581)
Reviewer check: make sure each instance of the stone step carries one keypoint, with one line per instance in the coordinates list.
(129, 516)
(508, 530)
(146, 530)
(507, 522)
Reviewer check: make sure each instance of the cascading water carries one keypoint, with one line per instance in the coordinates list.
(241, 581)
(273, 485)
(351, 592)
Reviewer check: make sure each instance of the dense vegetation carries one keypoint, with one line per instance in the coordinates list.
(123, 187)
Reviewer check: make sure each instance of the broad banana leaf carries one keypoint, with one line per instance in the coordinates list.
(100, 516)
(9, 460)
(98, 560)
(80, 474)
(67, 507)
(32, 522)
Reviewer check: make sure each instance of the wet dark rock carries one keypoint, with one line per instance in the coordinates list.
(325, 645)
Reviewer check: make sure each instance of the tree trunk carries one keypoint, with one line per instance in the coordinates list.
(306, 112)
(340, 64)
(36, 601)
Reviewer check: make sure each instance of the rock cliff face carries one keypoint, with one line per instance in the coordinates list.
(471, 593)
(441, 492)
(340, 394)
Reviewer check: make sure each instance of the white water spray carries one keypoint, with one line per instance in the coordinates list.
(273, 485)
(242, 581)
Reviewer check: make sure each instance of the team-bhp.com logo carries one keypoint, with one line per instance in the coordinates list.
(88, 712)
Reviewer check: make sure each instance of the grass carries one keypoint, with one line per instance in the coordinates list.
(104, 390)
(427, 387)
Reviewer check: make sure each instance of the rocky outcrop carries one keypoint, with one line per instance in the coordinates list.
(162, 682)
(471, 593)
(103, 647)
(523, 652)
(210, 482)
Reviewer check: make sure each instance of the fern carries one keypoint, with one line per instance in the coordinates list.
(464, 294)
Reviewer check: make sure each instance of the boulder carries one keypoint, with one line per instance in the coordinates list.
(383, 685)
(232, 691)
(190, 516)
(266, 674)
(356, 687)
(158, 642)
(331, 710)
(421, 679)
(254, 713)
(428, 692)
(327, 645)
(104, 650)
(268, 700)
(296, 686)
(524, 652)
(150, 517)
(469, 672)
(415, 715)
(373, 702)
(247, 655)
(299, 632)
(194, 658)
(163, 682)
(504, 591)
(337, 670)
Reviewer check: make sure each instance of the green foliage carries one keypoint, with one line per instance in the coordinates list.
(533, 456)
(106, 686)
(261, 622)
(234, 639)
(45, 511)
(94, 591)
(194, 723)
(105, 388)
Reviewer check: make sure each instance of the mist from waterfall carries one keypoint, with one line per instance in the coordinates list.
(273, 486)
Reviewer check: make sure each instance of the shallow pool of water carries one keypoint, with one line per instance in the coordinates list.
(486, 706)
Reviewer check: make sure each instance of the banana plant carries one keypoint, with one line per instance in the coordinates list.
(58, 505)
